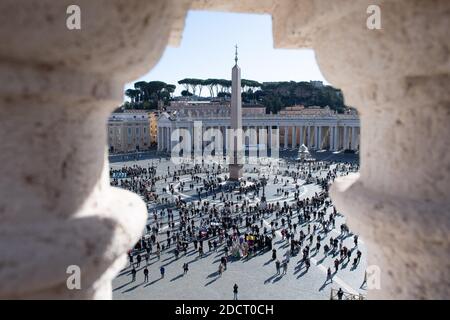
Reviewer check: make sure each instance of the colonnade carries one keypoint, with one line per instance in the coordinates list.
(333, 137)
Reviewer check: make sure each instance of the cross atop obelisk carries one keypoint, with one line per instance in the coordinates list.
(236, 55)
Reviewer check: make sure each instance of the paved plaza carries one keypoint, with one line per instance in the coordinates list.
(256, 275)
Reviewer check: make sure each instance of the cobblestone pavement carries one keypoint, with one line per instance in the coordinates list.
(255, 276)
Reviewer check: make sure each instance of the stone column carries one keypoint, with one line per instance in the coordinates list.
(331, 137)
(158, 135)
(337, 137)
(294, 137)
(309, 140)
(345, 128)
(269, 138)
(316, 143)
(301, 135)
(319, 138)
(224, 138)
(57, 208)
(169, 139)
(286, 133)
(353, 138)
(191, 136)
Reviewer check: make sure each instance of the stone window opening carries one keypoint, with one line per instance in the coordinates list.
(397, 77)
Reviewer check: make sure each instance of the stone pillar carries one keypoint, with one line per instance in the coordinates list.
(169, 140)
(269, 138)
(301, 135)
(331, 137)
(337, 137)
(309, 137)
(166, 138)
(158, 135)
(319, 138)
(316, 143)
(294, 137)
(275, 143)
(286, 133)
(254, 135)
(345, 128)
(224, 139)
(191, 135)
(353, 138)
(58, 88)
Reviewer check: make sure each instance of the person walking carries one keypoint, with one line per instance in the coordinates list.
(133, 274)
(329, 275)
(336, 265)
(277, 265)
(235, 292)
(225, 262)
(285, 266)
(185, 268)
(145, 274)
(130, 257)
(308, 264)
(162, 270)
(138, 259)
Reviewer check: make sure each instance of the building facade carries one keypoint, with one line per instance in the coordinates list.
(130, 131)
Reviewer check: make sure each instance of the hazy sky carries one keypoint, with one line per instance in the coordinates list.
(207, 51)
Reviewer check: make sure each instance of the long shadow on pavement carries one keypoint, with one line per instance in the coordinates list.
(132, 288)
(213, 280)
(325, 284)
(153, 282)
(177, 277)
(122, 286)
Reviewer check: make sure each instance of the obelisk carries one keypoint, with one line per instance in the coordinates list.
(236, 161)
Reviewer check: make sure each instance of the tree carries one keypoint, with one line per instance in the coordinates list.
(170, 88)
(140, 86)
(211, 84)
(224, 95)
(186, 93)
(185, 82)
(132, 94)
(224, 85)
(196, 83)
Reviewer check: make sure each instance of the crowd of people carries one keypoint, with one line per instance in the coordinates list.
(195, 208)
